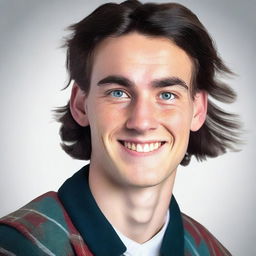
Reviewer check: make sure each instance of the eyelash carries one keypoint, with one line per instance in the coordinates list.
(172, 95)
(111, 92)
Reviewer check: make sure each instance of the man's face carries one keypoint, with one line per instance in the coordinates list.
(140, 109)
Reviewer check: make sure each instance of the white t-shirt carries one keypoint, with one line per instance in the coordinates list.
(149, 248)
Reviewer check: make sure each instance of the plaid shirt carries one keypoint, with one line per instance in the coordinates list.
(45, 227)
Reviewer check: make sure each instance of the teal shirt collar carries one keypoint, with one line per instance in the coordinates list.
(95, 229)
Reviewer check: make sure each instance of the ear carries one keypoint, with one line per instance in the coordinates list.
(200, 110)
(77, 105)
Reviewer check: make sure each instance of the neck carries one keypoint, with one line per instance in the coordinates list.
(137, 212)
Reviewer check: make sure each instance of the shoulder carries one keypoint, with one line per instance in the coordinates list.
(198, 239)
(42, 226)
(45, 209)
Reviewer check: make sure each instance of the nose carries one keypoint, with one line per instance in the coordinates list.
(142, 116)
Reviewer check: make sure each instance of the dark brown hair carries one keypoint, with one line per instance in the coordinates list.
(169, 20)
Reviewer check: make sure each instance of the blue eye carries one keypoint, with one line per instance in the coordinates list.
(167, 96)
(118, 94)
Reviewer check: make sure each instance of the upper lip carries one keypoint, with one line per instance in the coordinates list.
(141, 141)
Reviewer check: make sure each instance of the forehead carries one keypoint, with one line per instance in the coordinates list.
(141, 58)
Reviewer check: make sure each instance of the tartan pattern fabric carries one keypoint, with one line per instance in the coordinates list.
(199, 241)
(45, 223)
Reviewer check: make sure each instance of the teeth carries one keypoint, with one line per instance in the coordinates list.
(139, 148)
(147, 147)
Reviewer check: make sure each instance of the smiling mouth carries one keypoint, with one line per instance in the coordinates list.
(142, 147)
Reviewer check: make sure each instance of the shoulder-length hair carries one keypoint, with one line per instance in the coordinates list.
(169, 20)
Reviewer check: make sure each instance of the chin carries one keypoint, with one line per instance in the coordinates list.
(144, 176)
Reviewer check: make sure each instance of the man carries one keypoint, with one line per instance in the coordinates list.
(139, 107)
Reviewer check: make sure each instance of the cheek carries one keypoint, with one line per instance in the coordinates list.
(177, 116)
(110, 116)
(104, 120)
(177, 120)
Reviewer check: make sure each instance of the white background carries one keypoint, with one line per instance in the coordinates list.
(219, 193)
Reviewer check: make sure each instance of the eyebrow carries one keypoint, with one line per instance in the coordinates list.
(158, 83)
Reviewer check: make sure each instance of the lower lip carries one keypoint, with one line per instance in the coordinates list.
(142, 154)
